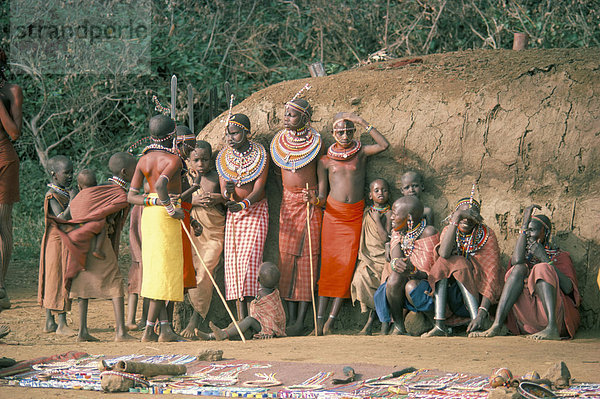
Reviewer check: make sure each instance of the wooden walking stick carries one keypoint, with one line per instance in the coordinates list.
(312, 278)
(238, 285)
(237, 327)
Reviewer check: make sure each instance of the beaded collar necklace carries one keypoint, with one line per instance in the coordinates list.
(158, 147)
(407, 242)
(338, 153)
(59, 190)
(292, 150)
(118, 181)
(469, 244)
(381, 209)
(243, 167)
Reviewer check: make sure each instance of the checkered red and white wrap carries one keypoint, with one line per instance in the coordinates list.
(244, 255)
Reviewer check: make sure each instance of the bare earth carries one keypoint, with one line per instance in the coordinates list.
(520, 355)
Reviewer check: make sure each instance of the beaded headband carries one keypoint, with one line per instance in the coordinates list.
(470, 201)
(186, 137)
(548, 228)
(295, 106)
(235, 123)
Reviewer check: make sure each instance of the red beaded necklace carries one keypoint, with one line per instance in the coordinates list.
(339, 153)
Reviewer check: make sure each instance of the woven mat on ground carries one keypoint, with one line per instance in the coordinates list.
(237, 378)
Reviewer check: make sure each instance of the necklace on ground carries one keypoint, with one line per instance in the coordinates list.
(294, 149)
(59, 190)
(339, 153)
(118, 181)
(242, 167)
(469, 244)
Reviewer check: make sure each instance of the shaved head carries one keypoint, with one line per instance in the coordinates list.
(161, 126)
(409, 205)
(86, 178)
(268, 275)
(120, 161)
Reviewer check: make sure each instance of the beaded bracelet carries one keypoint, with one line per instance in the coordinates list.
(522, 231)
(453, 223)
(170, 209)
(318, 201)
(484, 309)
(368, 129)
(393, 264)
(150, 201)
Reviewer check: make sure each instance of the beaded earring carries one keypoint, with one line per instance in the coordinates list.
(159, 107)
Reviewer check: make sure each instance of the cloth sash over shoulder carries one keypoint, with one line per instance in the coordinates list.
(162, 255)
(340, 238)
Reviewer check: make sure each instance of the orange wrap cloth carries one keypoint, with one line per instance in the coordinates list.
(189, 274)
(9, 171)
(244, 253)
(134, 279)
(89, 210)
(480, 273)
(268, 311)
(422, 257)
(371, 262)
(340, 238)
(210, 245)
(52, 293)
(294, 261)
(528, 316)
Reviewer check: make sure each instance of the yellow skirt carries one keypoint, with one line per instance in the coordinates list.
(162, 255)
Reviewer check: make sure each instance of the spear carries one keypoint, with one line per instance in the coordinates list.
(190, 101)
(312, 279)
(173, 96)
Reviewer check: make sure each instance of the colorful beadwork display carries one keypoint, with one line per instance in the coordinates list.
(242, 168)
(407, 242)
(59, 190)
(118, 181)
(469, 244)
(339, 153)
(292, 150)
(381, 209)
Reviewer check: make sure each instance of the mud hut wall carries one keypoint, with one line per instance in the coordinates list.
(526, 128)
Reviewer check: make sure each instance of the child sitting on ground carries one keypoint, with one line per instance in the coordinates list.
(412, 183)
(267, 318)
(371, 253)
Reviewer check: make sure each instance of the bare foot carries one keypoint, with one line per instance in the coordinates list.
(385, 328)
(98, 254)
(141, 324)
(436, 332)
(294, 330)
(189, 332)
(219, 334)
(398, 330)
(124, 337)
(320, 324)
(367, 329)
(86, 337)
(204, 336)
(4, 302)
(149, 335)
(168, 335)
(51, 326)
(132, 327)
(493, 331)
(328, 327)
(65, 331)
(548, 333)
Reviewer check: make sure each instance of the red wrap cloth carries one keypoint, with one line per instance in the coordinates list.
(480, 273)
(189, 273)
(89, 210)
(268, 311)
(134, 279)
(294, 261)
(528, 315)
(340, 238)
(52, 293)
(9, 171)
(244, 252)
(422, 257)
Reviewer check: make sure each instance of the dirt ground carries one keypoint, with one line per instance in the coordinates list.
(457, 354)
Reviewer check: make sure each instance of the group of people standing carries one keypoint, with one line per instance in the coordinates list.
(184, 213)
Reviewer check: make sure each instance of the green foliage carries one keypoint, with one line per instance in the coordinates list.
(253, 44)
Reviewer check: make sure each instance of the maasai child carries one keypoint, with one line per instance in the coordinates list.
(344, 170)
(162, 244)
(11, 122)
(295, 150)
(87, 178)
(52, 293)
(540, 295)
(208, 210)
(100, 210)
(267, 318)
(243, 167)
(412, 253)
(412, 183)
(376, 225)
(468, 269)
